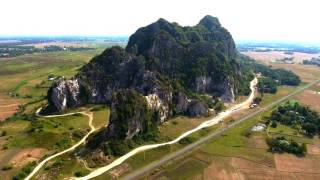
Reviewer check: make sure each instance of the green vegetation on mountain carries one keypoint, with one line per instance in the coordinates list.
(178, 70)
(130, 107)
(165, 70)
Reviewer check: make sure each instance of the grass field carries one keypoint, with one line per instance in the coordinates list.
(24, 79)
(100, 116)
(51, 134)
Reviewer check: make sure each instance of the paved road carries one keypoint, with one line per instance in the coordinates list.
(189, 148)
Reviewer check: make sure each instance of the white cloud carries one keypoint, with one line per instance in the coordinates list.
(295, 20)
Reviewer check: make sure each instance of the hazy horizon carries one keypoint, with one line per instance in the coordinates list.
(246, 20)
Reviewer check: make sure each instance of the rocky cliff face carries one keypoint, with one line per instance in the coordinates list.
(170, 66)
(130, 115)
(65, 93)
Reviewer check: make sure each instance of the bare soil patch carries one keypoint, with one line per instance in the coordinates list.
(2, 141)
(120, 170)
(203, 157)
(27, 155)
(240, 163)
(288, 167)
(6, 156)
(313, 149)
(309, 98)
(304, 176)
(307, 73)
(4, 115)
(57, 43)
(266, 57)
(8, 106)
(270, 56)
(220, 169)
(161, 175)
(257, 142)
(264, 174)
(291, 163)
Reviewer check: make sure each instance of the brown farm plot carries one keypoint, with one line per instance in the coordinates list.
(307, 73)
(309, 98)
(221, 171)
(8, 106)
(27, 155)
(313, 149)
(270, 56)
(294, 164)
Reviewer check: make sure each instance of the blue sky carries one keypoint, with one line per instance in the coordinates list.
(283, 20)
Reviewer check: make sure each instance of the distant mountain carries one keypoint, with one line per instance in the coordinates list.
(165, 70)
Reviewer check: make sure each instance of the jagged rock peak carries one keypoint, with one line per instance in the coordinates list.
(210, 22)
(162, 21)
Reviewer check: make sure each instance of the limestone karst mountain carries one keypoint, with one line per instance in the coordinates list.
(174, 69)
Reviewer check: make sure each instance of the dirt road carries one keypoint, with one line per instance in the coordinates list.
(42, 163)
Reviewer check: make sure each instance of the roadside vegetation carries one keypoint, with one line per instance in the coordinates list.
(296, 116)
(282, 144)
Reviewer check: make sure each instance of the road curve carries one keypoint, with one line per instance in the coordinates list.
(189, 148)
(42, 163)
(211, 122)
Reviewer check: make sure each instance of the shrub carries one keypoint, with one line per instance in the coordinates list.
(78, 133)
(7, 167)
(282, 144)
(79, 174)
(3, 133)
(257, 100)
(116, 147)
(97, 108)
(247, 133)
(274, 124)
(219, 106)
(296, 116)
(186, 140)
(174, 122)
(25, 171)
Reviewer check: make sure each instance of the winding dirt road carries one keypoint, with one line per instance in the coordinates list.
(42, 163)
(211, 122)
